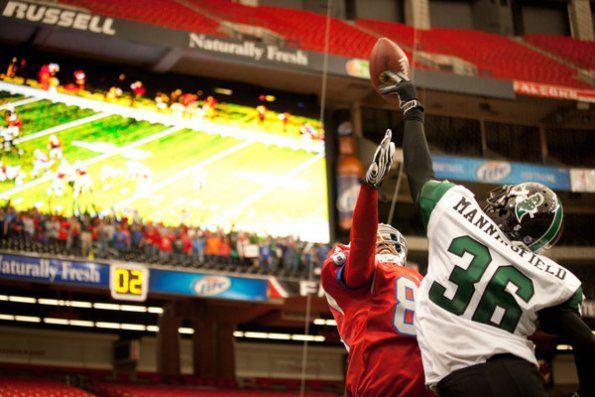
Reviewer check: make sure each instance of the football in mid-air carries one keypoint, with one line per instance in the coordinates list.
(387, 55)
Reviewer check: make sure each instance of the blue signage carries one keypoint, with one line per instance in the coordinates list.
(205, 285)
(31, 268)
(162, 281)
(499, 172)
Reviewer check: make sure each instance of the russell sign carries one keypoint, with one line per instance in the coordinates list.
(64, 17)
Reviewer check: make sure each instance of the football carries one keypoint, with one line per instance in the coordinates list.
(387, 55)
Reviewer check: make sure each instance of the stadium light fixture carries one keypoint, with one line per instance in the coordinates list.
(133, 308)
(563, 347)
(309, 338)
(44, 301)
(81, 323)
(323, 321)
(106, 306)
(28, 319)
(133, 327)
(106, 324)
(21, 299)
(81, 304)
(255, 335)
(155, 328)
(56, 321)
(278, 336)
(3, 297)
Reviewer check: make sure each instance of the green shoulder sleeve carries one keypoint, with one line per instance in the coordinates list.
(575, 300)
(431, 192)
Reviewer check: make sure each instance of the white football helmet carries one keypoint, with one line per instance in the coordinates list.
(391, 246)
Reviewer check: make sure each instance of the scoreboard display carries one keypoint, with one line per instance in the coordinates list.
(129, 282)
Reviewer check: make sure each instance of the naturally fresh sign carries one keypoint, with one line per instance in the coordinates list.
(248, 49)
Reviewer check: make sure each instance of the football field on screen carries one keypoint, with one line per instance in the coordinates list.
(166, 172)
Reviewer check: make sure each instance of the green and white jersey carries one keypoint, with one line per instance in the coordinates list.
(481, 294)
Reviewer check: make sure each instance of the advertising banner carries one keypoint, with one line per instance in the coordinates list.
(58, 271)
(553, 91)
(499, 172)
(129, 281)
(165, 281)
(582, 180)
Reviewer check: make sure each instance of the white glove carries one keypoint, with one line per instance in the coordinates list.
(382, 162)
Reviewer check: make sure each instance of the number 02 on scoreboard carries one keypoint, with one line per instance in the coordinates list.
(129, 282)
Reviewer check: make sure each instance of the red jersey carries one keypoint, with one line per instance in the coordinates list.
(373, 304)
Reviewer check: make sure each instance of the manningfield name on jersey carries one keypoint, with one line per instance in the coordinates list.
(477, 218)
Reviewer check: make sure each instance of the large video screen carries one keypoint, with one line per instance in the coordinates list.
(205, 162)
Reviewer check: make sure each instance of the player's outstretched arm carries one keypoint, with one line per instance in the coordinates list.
(567, 324)
(418, 163)
(360, 265)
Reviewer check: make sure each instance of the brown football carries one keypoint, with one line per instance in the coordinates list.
(387, 55)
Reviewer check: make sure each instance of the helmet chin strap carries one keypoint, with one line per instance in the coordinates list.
(390, 258)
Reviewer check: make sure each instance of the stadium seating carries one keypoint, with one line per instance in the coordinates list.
(165, 13)
(130, 390)
(581, 53)
(21, 387)
(15, 243)
(501, 56)
(495, 56)
(300, 28)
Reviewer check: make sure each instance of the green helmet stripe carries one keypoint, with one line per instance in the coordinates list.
(551, 232)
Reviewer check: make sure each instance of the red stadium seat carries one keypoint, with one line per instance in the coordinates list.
(165, 13)
(494, 55)
(21, 387)
(132, 390)
(302, 29)
(579, 52)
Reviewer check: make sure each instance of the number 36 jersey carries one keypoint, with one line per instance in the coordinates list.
(481, 294)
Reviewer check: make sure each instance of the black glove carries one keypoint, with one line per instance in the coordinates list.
(398, 84)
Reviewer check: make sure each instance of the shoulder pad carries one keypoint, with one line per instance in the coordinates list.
(339, 255)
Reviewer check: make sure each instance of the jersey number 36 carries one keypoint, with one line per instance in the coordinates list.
(497, 306)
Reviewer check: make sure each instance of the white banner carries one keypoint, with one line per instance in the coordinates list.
(582, 180)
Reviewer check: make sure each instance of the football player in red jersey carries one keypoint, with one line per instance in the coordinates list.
(371, 295)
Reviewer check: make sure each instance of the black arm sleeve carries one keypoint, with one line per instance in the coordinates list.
(418, 163)
(567, 324)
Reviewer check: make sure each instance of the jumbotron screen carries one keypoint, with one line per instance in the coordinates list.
(199, 161)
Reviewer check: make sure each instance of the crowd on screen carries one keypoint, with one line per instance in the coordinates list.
(92, 236)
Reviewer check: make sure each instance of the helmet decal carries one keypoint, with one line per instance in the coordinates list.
(528, 205)
(552, 232)
(508, 206)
